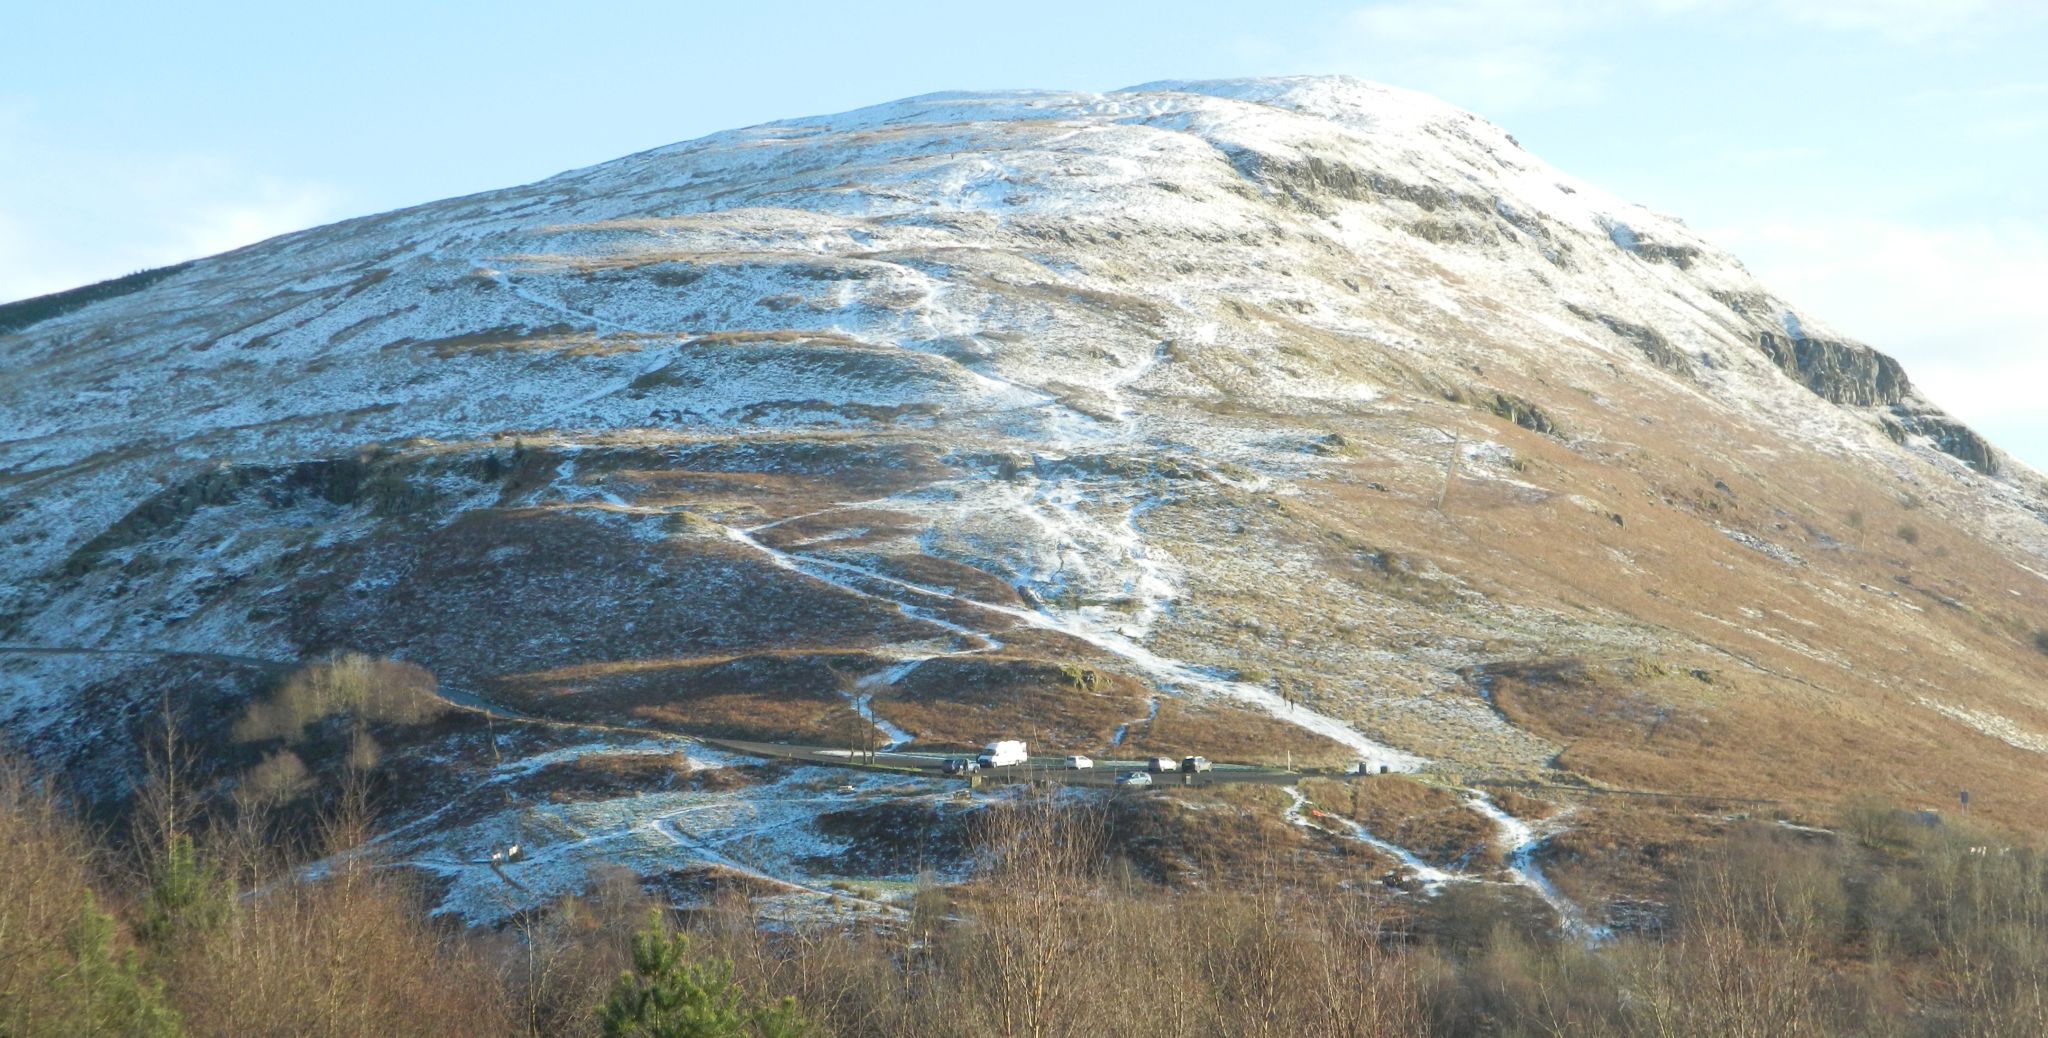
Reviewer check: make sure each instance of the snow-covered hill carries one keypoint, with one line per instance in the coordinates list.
(1319, 411)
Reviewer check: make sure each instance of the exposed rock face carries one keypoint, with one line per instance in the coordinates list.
(1839, 372)
(1285, 404)
(1652, 342)
(1523, 413)
(1313, 181)
(1854, 375)
(1949, 436)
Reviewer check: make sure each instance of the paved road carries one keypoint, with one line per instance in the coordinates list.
(1038, 769)
(453, 695)
(173, 654)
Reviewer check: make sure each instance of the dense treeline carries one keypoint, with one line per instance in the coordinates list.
(21, 314)
(1885, 928)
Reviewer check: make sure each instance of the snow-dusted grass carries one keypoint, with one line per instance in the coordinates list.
(759, 831)
(1986, 722)
(1128, 328)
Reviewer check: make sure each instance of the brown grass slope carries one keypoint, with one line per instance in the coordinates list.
(1515, 495)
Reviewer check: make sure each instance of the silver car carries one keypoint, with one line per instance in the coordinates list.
(1134, 778)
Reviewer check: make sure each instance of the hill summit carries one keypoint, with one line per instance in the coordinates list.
(1285, 419)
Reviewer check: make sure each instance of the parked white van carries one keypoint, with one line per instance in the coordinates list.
(1003, 754)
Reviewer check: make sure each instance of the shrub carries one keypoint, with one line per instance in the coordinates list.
(363, 687)
(276, 779)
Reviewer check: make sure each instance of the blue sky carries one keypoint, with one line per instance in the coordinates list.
(1877, 161)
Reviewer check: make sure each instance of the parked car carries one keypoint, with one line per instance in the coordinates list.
(1080, 762)
(1162, 764)
(961, 765)
(1195, 765)
(1134, 778)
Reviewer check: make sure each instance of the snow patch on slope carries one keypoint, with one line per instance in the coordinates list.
(1986, 722)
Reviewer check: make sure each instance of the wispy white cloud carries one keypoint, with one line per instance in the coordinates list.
(1769, 155)
(1999, 112)
(1906, 21)
(73, 215)
(1501, 56)
(2026, 91)
(209, 204)
(1903, 21)
(1960, 306)
(1492, 55)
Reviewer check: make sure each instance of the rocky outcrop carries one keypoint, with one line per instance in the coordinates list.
(1307, 181)
(1522, 413)
(1950, 437)
(1680, 256)
(1632, 241)
(390, 484)
(1649, 340)
(1838, 372)
(1854, 374)
(1747, 304)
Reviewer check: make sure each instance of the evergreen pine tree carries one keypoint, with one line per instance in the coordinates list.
(107, 994)
(667, 995)
(186, 895)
